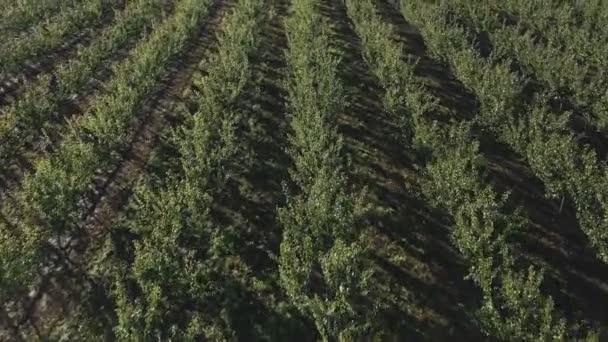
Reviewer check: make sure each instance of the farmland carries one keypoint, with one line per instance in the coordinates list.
(303, 170)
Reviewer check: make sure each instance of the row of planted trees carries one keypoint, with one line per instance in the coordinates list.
(17, 16)
(513, 305)
(322, 265)
(51, 203)
(39, 110)
(172, 267)
(49, 35)
(192, 279)
(564, 44)
(520, 118)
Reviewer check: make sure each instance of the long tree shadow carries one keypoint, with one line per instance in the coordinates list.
(410, 240)
(259, 192)
(438, 76)
(575, 278)
(251, 202)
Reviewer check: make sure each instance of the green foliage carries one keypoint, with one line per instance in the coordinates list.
(483, 222)
(530, 319)
(52, 201)
(510, 292)
(22, 122)
(190, 278)
(174, 266)
(321, 264)
(524, 120)
(386, 58)
(48, 36)
(21, 15)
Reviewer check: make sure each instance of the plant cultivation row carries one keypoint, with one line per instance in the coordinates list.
(513, 304)
(52, 201)
(303, 170)
(578, 27)
(322, 266)
(50, 36)
(198, 273)
(39, 107)
(529, 127)
(16, 17)
(544, 53)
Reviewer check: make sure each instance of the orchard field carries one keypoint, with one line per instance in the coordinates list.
(302, 170)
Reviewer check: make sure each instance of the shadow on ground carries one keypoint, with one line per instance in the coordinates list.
(576, 279)
(426, 294)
